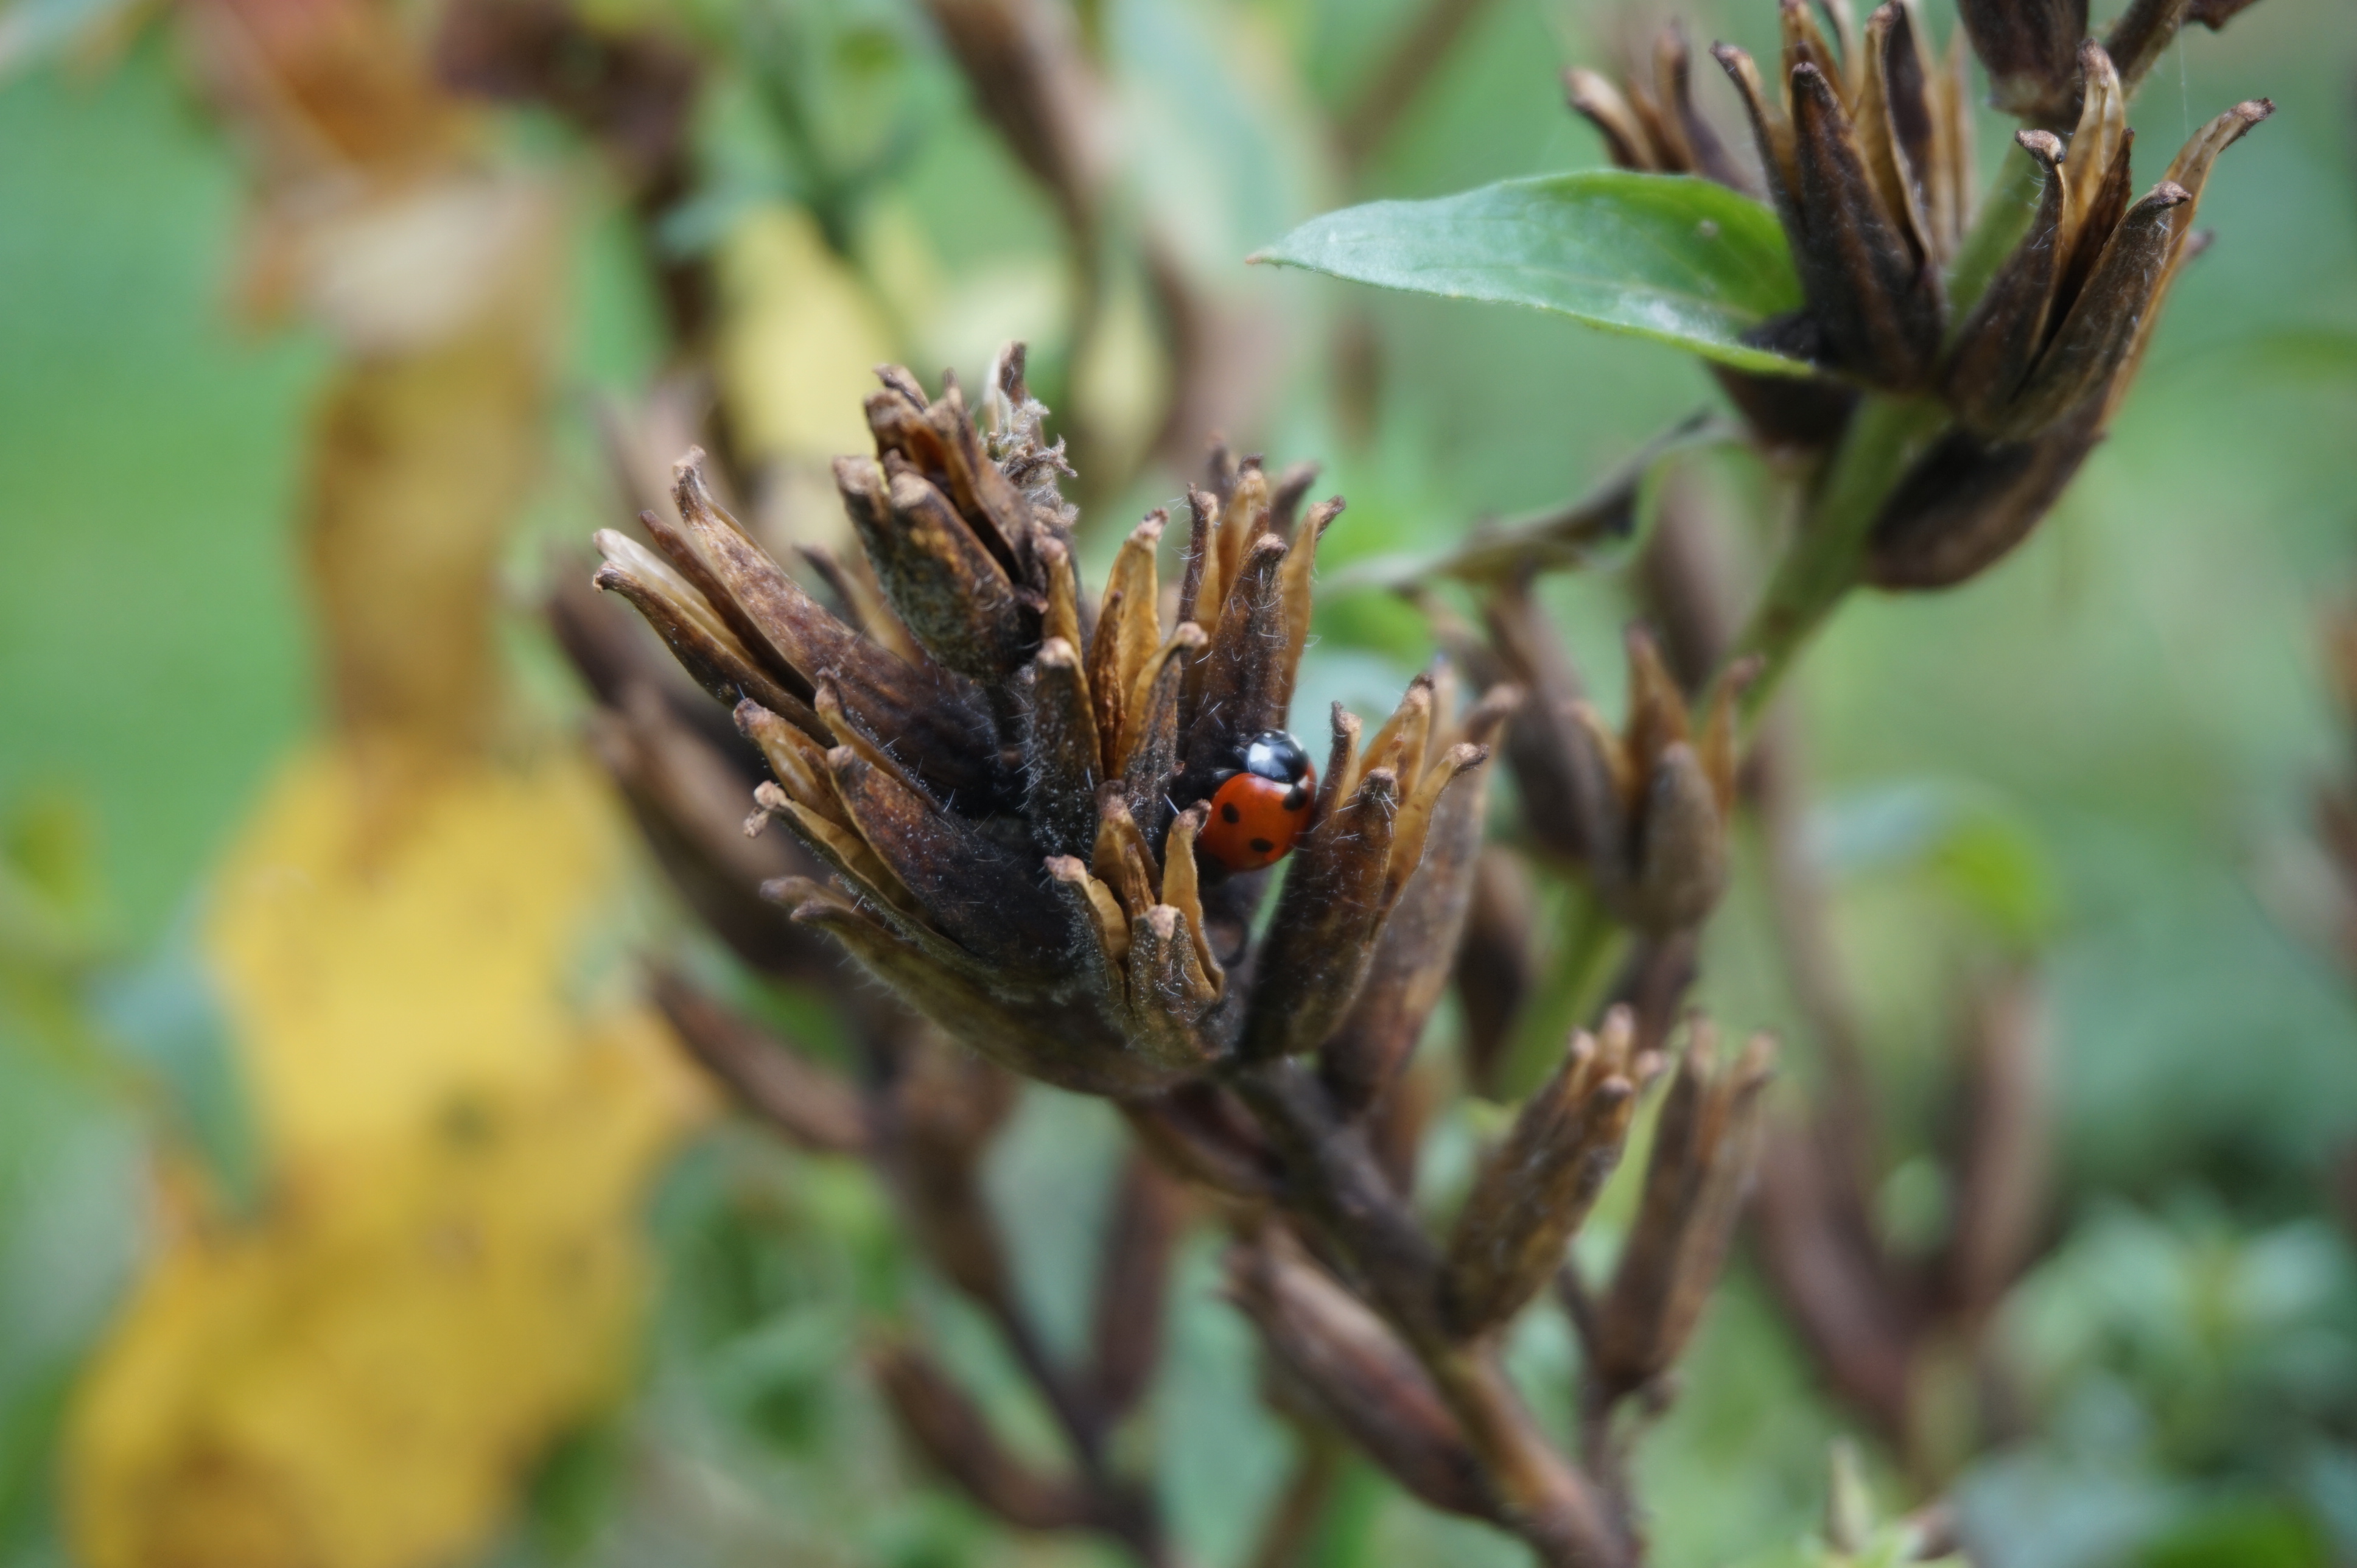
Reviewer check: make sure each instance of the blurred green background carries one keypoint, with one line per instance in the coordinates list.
(2099, 755)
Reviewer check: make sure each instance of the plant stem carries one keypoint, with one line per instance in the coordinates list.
(1822, 563)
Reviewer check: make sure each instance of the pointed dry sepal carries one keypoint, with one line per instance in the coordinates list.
(1536, 1187)
(1905, 128)
(2094, 340)
(945, 1425)
(1705, 1145)
(1867, 288)
(1129, 629)
(974, 890)
(1060, 753)
(1417, 949)
(951, 592)
(1658, 835)
(2001, 338)
(705, 646)
(1348, 1366)
(1771, 133)
(1241, 676)
(1318, 946)
(2031, 50)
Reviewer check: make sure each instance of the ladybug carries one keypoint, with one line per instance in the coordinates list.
(1262, 806)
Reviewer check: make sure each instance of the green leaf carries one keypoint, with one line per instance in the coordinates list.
(1668, 257)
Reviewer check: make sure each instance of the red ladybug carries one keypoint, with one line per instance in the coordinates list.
(1260, 810)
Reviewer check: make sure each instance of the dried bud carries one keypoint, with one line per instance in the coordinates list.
(1537, 1187)
(1351, 1370)
(1703, 1148)
(951, 1431)
(2051, 349)
(1004, 806)
(1657, 842)
(1411, 965)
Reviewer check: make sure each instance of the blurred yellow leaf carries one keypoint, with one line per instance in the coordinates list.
(801, 341)
(447, 1269)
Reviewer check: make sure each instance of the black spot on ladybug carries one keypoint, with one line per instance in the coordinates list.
(1296, 798)
(1261, 846)
(1229, 813)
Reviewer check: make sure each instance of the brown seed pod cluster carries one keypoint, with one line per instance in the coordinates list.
(1865, 141)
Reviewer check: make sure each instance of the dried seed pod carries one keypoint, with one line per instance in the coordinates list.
(1413, 961)
(1703, 1148)
(2053, 344)
(1354, 1372)
(1535, 1187)
(2031, 50)
(1657, 838)
(1496, 968)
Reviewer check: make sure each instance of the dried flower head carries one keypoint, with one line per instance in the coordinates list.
(2040, 365)
(1007, 780)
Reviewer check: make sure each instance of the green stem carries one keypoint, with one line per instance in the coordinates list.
(1822, 563)
(1885, 436)
(2003, 220)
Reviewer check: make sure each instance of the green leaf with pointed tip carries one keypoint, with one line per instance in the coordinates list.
(1669, 257)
